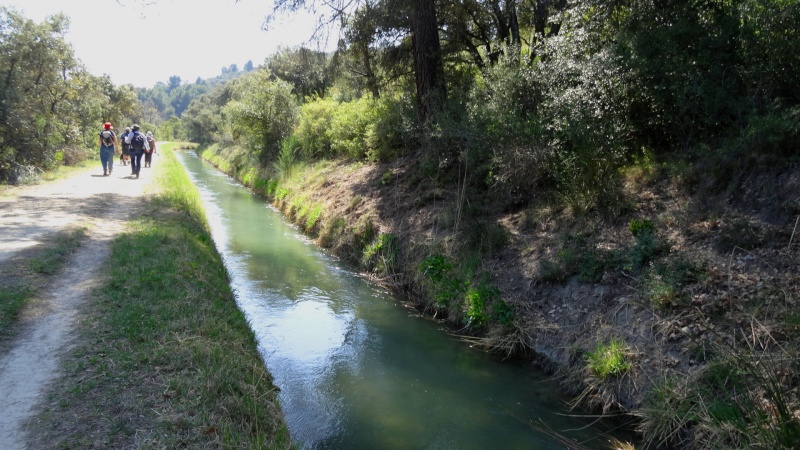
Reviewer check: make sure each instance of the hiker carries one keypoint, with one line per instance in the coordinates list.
(148, 154)
(108, 145)
(138, 145)
(126, 153)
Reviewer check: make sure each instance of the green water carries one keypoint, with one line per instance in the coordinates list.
(357, 370)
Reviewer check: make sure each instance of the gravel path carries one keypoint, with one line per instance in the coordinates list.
(27, 215)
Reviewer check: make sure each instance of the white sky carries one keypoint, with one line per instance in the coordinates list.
(188, 38)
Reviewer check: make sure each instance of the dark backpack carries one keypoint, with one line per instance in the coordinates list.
(108, 138)
(137, 141)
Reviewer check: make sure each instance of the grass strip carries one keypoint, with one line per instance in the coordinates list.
(24, 275)
(166, 359)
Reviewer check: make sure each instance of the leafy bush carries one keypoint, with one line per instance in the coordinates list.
(392, 132)
(349, 126)
(263, 111)
(647, 247)
(435, 267)
(503, 312)
(503, 111)
(312, 128)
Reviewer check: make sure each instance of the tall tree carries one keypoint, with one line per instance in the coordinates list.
(428, 65)
(431, 90)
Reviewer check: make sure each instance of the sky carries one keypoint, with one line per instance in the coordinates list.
(142, 42)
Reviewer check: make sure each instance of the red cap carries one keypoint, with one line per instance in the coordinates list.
(107, 126)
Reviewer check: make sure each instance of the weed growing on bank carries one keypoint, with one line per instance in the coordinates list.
(166, 359)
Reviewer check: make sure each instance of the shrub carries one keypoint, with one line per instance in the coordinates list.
(647, 247)
(503, 312)
(288, 157)
(349, 126)
(263, 111)
(435, 267)
(392, 132)
(312, 129)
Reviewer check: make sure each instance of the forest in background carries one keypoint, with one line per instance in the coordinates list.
(516, 106)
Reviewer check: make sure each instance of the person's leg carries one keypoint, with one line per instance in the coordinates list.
(133, 162)
(104, 159)
(136, 161)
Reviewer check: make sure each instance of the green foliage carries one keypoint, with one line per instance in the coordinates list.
(312, 128)
(288, 157)
(503, 312)
(640, 227)
(738, 401)
(376, 130)
(386, 178)
(12, 300)
(304, 69)
(50, 106)
(435, 267)
(381, 254)
(647, 247)
(578, 257)
(447, 285)
(263, 112)
(608, 360)
(660, 291)
(476, 299)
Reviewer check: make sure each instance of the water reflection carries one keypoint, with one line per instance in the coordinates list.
(356, 372)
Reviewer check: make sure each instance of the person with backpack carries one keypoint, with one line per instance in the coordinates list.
(126, 154)
(108, 145)
(138, 145)
(148, 154)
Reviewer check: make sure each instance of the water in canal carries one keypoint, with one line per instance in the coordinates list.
(355, 369)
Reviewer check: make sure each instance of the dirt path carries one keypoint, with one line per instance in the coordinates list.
(27, 215)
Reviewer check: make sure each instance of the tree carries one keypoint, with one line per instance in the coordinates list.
(431, 91)
(47, 99)
(428, 65)
(262, 111)
(303, 68)
(174, 82)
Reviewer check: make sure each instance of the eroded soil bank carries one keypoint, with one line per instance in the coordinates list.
(715, 284)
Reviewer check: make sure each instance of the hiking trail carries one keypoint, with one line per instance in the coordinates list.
(32, 358)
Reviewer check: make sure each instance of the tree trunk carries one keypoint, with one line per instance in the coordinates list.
(428, 65)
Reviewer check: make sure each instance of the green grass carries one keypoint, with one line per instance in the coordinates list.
(25, 275)
(608, 360)
(52, 258)
(12, 299)
(166, 358)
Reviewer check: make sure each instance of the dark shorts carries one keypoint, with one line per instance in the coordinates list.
(126, 152)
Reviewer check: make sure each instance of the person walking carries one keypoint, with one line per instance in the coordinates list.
(125, 156)
(148, 154)
(108, 145)
(138, 145)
